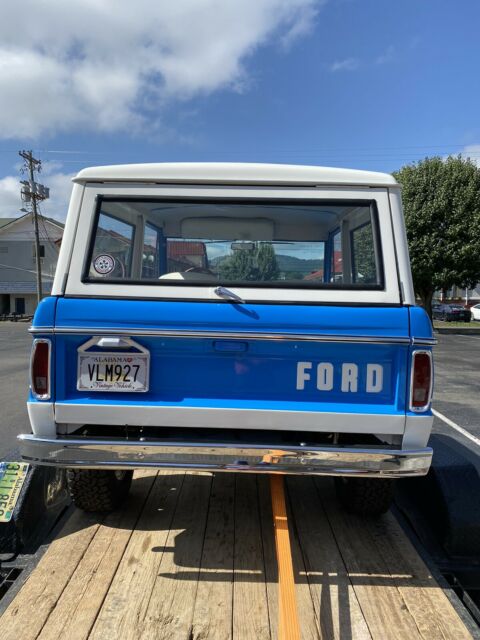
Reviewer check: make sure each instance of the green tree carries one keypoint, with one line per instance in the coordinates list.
(441, 200)
(267, 262)
(255, 265)
(239, 266)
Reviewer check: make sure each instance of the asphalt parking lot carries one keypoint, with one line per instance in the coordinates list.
(14, 357)
(456, 398)
(457, 384)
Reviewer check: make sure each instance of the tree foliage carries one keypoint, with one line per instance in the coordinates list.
(441, 200)
(267, 262)
(257, 265)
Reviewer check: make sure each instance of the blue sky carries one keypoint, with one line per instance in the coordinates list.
(357, 83)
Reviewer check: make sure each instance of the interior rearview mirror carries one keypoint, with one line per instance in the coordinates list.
(242, 246)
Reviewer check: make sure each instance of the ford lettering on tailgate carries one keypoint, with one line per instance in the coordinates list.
(322, 375)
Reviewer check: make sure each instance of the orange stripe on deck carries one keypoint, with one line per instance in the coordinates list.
(288, 625)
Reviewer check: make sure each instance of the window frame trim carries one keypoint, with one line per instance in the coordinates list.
(298, 285)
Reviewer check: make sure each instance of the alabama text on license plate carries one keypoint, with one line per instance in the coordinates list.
(102, 371)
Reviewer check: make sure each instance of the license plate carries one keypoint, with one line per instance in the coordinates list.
(12, 477)
(113, 372)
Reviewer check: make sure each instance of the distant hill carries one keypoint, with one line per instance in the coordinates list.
(291, 264)
(286, 264)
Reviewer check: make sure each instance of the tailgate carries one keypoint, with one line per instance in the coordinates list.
(271, 366)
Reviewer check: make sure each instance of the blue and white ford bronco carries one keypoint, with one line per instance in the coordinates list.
(232, 317)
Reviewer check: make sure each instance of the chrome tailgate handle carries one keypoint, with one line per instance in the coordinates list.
(111, 342)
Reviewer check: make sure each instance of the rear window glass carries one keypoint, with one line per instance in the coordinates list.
(302, 244)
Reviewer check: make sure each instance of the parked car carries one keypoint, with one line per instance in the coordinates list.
(475, 311)
(185, 330)
(451, 313)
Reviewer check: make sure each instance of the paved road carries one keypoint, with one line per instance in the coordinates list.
(457, 384)
(14, 357)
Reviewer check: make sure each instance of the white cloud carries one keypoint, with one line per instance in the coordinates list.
(111, 65)
(10, 201)
(349, 64)
(386, 56)
(55, 207)
(472, 151)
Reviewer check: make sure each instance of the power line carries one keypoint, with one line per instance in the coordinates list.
(329, 149)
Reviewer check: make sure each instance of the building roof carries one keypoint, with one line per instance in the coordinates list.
(179, 249)
(24, 286)
(5, 221)
(233, 173)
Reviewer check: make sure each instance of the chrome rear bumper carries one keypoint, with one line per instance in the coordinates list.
(264, 458)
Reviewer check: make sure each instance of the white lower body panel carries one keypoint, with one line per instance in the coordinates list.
(45, 418)
(203, 417)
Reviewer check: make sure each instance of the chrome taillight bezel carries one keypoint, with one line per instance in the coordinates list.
(426, 406)
(35, 343)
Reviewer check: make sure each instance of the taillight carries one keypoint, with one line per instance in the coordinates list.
(40, 369)
(421, 381)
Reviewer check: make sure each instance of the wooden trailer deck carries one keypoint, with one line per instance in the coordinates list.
(192, 556)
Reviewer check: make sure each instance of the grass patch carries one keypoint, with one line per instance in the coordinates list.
(439, 324)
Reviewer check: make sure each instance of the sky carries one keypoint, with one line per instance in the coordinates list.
(367, 84)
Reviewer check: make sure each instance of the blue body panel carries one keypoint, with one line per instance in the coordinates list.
(420, 327)
(224, 316)
(243, 373)
(240, 373)
(45, 313)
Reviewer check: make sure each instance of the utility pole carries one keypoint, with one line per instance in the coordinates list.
(32, 192)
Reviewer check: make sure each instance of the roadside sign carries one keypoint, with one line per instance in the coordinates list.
(12, 477)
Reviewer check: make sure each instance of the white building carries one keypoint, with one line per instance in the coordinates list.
(18, 288)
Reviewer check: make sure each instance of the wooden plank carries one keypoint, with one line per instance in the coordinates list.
(28, 612)
(127, 599)
(376, 589)
(269, 551)
(170, 610)
(288, 623)
(212, 617)
(434, 614)
(78, 606)
(337, 609)
(250, 606)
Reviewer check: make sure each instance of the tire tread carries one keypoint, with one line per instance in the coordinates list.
(365, 496)
(97, 490)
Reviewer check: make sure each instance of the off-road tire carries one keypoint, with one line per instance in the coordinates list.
(365, 496)
(93, 490)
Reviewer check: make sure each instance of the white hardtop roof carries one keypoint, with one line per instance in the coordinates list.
(234, 173)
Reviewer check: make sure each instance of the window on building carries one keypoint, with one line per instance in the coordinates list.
(42, 251)
(20, 305)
